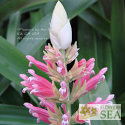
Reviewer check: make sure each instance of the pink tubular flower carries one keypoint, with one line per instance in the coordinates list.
(75, 118)
(106, 101)
(87, 76)
(37, 85)
(92, 83)
(61, 69)
(90, 71)
(81, 62)
(63, 89)
(40, 113)
(83, 121)
(64, 108)
(78, 69)
(65, 119)
(50, 63)
(51, 106)
(90, 61)
(39, 64)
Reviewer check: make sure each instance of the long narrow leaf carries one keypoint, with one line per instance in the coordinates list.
(13, 62)
(118, 46)
(96, 21)
(4, 84)
(35, 17)
(12, 28)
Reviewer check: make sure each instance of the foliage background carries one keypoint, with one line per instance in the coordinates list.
(98, 26)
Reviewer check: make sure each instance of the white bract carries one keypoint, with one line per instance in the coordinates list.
(60, 28)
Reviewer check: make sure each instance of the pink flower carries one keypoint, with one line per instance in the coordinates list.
(64, 108)
(38, 112)
(76, 119)
(61, 69)
(106, 101)
(90, 61)
(83, 121)
(37, 85)
(51, 106)
(65, 120)
(81, 62)
(39, 64)
(87, 76)
(92, 83)
(63, 89)
(50, 63)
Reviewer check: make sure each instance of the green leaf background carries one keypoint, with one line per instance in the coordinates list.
(98, 27)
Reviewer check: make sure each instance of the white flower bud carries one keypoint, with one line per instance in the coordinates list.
(60, 28)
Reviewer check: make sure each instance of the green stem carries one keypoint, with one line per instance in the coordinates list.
(68, 105)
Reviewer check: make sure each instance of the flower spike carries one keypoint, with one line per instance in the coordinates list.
(65, 85)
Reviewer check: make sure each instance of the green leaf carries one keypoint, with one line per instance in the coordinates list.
(14, 22)
(48, 7)
(118, 46)
(97, 21)
(105, 57)
(107, 8)
(35, 17)
(3, 2)
(121, 98)
(16, 115)
(12, 6)
(98, 8)
(38, 40)
(11, 96)
(17, 88)
(4, 84)
(13, 62)
(43, 26)
(73, 8)
(87, 40)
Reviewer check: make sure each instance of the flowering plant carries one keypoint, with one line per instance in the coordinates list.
(57, 57)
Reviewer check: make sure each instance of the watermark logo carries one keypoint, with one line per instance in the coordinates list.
(100, 111)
